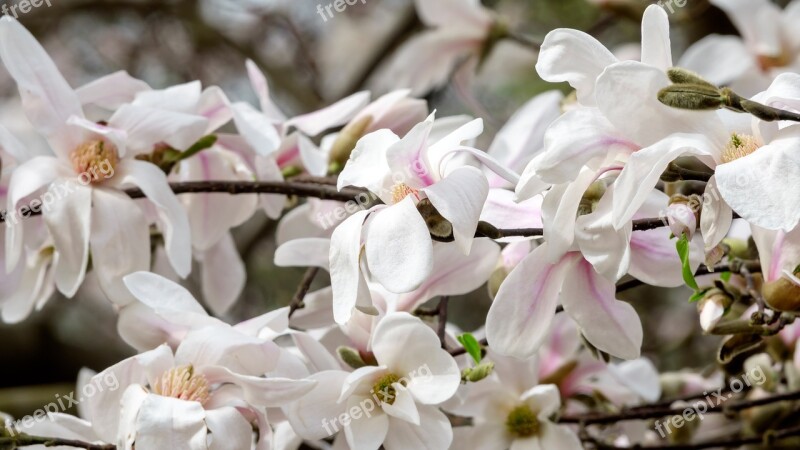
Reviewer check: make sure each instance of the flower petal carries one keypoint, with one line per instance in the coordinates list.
(69, 222)
(315, 415)
(459, 198)
(433, 433)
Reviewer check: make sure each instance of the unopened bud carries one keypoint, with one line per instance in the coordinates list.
(347, 139)
(712, 307)
(760, 372)
(438, 226)
(496, 280)
(351, 357)
(782, 295)
(477, 373)
(681, 219)
(691, 96)
(682, 76)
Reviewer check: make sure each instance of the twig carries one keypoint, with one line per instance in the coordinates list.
(302, 290)
(25, 440)
(768, 437)
(442, 321)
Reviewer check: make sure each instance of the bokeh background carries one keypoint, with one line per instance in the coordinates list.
(309, 62)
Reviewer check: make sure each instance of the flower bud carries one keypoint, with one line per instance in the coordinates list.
(496, 280)
(477, 373)
(679, 75)
(347, 139)
(691, 96)
(681, 219)
(759, 371)
(712, 307)
(351, 357)
(438, 226)
(782, 295)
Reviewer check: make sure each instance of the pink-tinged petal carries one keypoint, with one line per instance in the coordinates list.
(47, 98)
(69, 223)
(173, 221)
(580, 137)
(398, 247)
(656, 49)
(717, 217)
(502, 211)
(226, 347)
(259, 391)
(558, 436)
(756, 20)
(407, 158)
(575, 57)
(427, 60)
(367, 166)
(630, 89)
(211, 216)
(441, 147)
(543, 399)
(347, 280)
(223, 274)
(309, 252)
(147, 127)
(260, 85)
(433, 433)
(453, 273)
(644, 168)
(214, 106)
(459, 198)
(522, 312)
(165, 422)
(312, 415)
(607, 323)
(718, 59)
(522, 137)
(332, 116)
(755, 186)
(411, 349)
(118, 230)
(654, 259)
(12, 146)
(367, 432)
(258, 130)
(403, 407)
(482, 157)
(454, 13)
(778, 251)
(117, 137)
(111, 91)
(228, 429)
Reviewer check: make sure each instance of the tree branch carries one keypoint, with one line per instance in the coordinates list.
(24, 440)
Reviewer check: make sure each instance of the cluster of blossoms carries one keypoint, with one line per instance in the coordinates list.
(640, 174)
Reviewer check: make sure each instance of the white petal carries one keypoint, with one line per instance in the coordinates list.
(315, 161)
(312, 415)
(173, 221)
(756, 20)
(403, 407)
(119, 230)
(398, 247)
(367, 432)
(433, 433)
(543, 399)
(459, 198)
(111, 91)
(171, 423)
(310, 252)
(717, 217)
(575, 57)
(228, 348)
(259, 391)
(367, 165)
(69, 222)
(258, 130)
(656, 49)
(522, 312)
(332, 116)
(229, 430)
(223, 275)
(718, 59)
(558, 436)
(347, 281)
(609, 324)
(147, 127)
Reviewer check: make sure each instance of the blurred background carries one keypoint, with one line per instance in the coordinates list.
(310, 62)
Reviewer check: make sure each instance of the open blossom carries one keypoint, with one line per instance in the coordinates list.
(391, 403)
(93, 162)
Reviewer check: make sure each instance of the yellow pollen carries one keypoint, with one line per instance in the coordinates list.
(95, 159)
(739, 146)
(182, 383)
(401, 191)
(522, 422)
(384, 390)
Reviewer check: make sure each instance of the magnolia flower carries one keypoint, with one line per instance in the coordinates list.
(748, 64)
(390, 404)
(461, 30)
(92, 162)
(210, 389)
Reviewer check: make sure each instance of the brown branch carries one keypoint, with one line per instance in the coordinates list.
(302, 290)
(442, 324)
(24, 440)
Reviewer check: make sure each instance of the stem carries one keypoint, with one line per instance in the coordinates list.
(302, 290)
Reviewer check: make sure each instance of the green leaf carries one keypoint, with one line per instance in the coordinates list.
(204, 143)
(725, 276)
(698, 295)
(683, 251)
(472, 346)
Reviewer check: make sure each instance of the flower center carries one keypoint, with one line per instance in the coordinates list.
(522, 422)
(94, 158)
(182, 383)
(739, 146)
(767, 62)
(384, 390)
(401, 191)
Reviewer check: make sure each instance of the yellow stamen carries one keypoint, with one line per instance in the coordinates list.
(739, 146)
(182, 383)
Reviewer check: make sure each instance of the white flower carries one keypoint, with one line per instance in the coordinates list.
(390, 404)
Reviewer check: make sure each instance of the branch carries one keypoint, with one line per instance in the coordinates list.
(302, 290)
(24, 440)
(767, 438)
